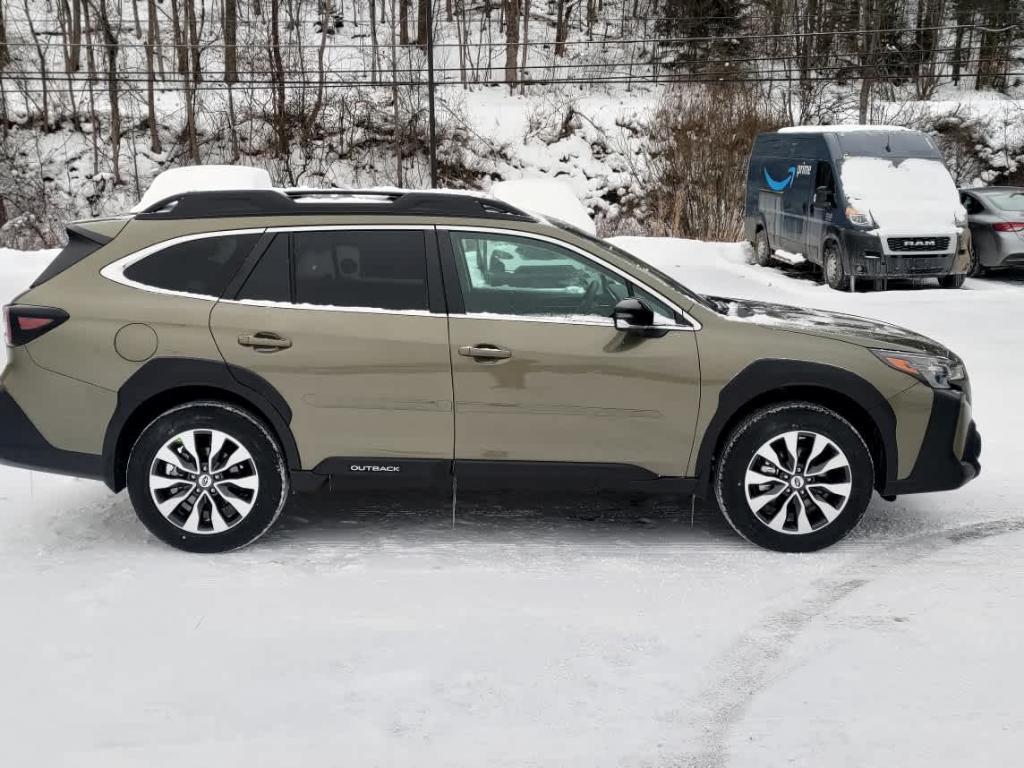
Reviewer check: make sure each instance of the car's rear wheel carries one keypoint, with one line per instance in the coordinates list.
(207, 477)
(794, 477)
(762, 249)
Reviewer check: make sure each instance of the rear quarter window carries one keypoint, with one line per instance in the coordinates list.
(203, 266)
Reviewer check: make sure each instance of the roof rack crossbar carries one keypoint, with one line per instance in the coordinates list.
(275, 202)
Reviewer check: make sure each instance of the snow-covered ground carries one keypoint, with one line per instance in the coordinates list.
(372, 633)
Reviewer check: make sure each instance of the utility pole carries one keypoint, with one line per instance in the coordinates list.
(430, 93)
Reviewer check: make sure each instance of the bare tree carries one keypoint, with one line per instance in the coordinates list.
(110, 47)
(152, 23)
(512, 9)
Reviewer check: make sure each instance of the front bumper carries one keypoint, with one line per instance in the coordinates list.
(950, 451)
(22, 445)
(867, 258)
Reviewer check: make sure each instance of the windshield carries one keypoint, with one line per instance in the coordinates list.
(637, 262)
(1010, 200)
(887, 144)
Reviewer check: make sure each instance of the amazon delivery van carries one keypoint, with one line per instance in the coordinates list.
(872, 202)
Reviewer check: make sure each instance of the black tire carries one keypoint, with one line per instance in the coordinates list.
(762, 249)
(952, 281)
(266, 464)
(740, 454)
(833, 269)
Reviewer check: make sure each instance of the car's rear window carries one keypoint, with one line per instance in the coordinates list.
(203, 266)
(1012, 201)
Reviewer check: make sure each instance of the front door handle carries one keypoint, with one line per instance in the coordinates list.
(485, 352)
(265, 341)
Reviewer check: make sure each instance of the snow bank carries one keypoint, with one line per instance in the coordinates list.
(548, 197)
(199, 178)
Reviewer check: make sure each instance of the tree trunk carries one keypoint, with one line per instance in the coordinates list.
(403, 21)
(230, 41)
(179, 38)
(110, 46)
(374, 48)
(523, 71)
(512, 10)
(151, 34)
(5, 55)
(193, 41)
(277, 74)
(421, 22)
(43, 76)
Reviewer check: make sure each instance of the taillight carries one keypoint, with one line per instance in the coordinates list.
(1009, 226)
(24, 323)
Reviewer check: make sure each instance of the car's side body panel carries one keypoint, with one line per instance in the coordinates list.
(574, 393)
(359, 383)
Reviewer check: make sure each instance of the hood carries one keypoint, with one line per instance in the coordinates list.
(833, 325)
(908, 196)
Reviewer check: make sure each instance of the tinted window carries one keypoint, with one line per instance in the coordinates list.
(972, 205)
(509, 275)
(382, 270)
(888, 144)
(204, 266)
(271, 278)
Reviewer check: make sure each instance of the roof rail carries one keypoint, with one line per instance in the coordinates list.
(299, 202)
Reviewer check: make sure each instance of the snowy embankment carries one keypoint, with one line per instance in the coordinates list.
(361, 633)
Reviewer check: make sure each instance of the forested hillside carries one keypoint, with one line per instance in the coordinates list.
(646, 107)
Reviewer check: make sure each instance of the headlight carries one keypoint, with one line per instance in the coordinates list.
(960, 218)
(859, 217)
(936, 372)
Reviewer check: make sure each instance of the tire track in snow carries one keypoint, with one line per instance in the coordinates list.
(749, 666)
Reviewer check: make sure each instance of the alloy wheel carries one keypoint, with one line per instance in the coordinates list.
(798, 482)
(204, 481)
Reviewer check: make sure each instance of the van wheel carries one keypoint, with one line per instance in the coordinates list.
(762, 250)
(794, 477)
(835, 273)
(207, 477)
(952, 281)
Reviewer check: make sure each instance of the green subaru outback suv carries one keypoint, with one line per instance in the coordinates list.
(221, 350)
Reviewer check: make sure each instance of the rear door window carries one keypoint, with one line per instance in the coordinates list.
(270, 280)
(203, 266)
(383, 269)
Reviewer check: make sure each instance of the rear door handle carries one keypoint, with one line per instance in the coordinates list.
(265, 341)
(485, 352)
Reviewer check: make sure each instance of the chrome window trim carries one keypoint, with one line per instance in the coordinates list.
(115, 270)
(693, 323)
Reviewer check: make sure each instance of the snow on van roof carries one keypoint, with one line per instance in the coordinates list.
(842, 129)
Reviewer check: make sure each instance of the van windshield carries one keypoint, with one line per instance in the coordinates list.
(888, 144)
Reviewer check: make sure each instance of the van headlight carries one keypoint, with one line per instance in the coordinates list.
(937, 372)
(859, 217)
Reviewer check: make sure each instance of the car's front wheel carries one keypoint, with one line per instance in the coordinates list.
(207, 477)
(794, 477)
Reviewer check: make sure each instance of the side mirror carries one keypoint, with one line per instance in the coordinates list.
(632, 315)
(823, 198)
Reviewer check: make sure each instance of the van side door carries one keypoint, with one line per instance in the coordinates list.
(821, 211)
